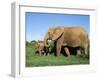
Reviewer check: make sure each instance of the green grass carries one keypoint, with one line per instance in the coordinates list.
(33, 59)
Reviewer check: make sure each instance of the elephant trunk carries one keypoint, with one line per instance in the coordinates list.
(46, 43)
(46, 40)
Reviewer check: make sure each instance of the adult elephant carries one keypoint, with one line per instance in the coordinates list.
(68, 36)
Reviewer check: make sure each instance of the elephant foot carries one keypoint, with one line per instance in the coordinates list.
(48, 54)
(86, 52)
(58, 54)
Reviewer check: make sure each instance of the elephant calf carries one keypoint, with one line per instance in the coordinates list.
(42, 49)
(39, 48)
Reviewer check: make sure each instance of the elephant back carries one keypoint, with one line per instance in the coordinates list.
(75, 36)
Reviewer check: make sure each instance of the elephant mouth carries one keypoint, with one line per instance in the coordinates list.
(53, 39)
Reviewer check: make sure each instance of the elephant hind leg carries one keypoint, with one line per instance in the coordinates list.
(78, 52)
(86, 49)
(67, 51)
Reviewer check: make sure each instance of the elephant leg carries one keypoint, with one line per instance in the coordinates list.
(44, 54)
(67, 51)
(58, 47)
(40, 52)
(48, 51)
(48, 54)
(86, 49)
(78, 52)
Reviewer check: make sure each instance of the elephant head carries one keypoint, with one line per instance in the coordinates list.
(54, 33)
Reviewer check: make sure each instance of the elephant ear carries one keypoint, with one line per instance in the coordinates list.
(58, 32)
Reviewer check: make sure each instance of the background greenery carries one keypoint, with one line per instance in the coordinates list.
(33, 59)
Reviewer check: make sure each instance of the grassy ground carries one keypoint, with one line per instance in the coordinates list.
(33, 59)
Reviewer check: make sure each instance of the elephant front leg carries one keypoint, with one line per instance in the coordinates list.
(40, 52)
(58, 47)
(67, 51)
